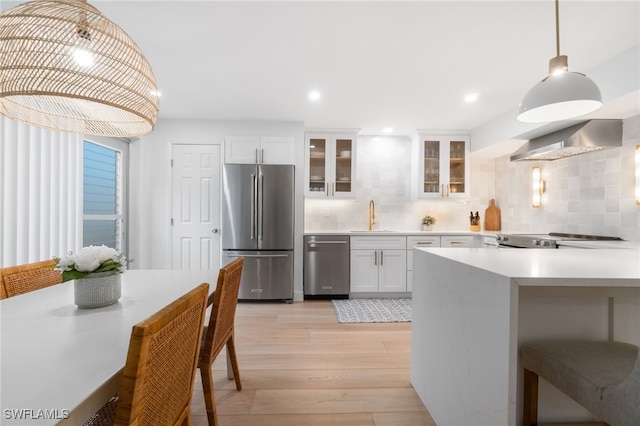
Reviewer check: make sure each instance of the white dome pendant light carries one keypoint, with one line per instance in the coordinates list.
(562, 94)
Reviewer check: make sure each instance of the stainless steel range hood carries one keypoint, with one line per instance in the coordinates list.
(580, 138)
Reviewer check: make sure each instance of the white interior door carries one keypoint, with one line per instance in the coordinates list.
(196, 207)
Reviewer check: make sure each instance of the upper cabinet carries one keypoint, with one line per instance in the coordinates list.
(259, 150)
(330, 171)
(443, 168)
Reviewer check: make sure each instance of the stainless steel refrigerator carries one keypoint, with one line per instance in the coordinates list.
(258, 223)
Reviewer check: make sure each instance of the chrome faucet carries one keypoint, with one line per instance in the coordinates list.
(372, 214)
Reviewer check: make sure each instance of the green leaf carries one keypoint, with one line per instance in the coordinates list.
(73, 275)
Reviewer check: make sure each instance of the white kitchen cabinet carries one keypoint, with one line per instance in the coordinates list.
(330, 171)
(259, 150)
(421, 242)
(442, 167)
(457, 241)
(378, 264)
(364, 271)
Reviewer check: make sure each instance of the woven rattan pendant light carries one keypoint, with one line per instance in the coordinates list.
(64, 66)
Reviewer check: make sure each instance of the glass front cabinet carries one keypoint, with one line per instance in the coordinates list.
(330, 171)
(443, 166)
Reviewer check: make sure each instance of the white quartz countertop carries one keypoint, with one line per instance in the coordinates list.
(358, 233)
(542, 266)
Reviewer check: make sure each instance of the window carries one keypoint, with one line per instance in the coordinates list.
(103, 189)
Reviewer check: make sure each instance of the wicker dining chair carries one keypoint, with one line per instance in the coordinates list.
(21, 279)
(219, 332)
(159, 374)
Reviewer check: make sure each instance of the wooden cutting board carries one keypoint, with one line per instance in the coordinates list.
(492, 217)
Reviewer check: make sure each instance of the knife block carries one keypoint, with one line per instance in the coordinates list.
(474, 222)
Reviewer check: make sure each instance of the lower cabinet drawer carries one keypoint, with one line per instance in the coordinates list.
(459, 241)
(379, 242)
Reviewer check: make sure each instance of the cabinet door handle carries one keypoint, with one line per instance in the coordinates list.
(381, 258)
(326, 188)
(262, 156)
(448, 189)
(424, 243)
(333, 189)
(256, 155)
(375, 258)
(457, 243)
(442, 190)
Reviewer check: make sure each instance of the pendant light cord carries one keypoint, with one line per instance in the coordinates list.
(557, 29)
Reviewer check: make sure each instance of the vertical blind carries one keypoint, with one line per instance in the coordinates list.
(41, 192)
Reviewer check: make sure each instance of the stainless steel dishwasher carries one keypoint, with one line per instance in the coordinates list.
(326, 266)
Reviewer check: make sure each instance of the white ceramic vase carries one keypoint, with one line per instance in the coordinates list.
(97, 290)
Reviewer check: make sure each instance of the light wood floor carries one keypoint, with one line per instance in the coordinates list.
(299, 366)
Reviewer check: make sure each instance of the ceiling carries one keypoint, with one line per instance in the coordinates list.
(406, 65)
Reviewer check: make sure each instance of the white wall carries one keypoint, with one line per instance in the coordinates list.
(150, 177)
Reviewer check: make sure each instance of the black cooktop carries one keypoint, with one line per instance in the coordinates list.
(546, 240)
(578, 237)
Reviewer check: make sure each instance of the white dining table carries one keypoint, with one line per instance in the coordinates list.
(60, 364)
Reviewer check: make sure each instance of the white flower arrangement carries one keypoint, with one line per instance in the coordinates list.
(90, 260)
(428, 220)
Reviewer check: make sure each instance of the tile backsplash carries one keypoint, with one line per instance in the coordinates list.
(383, 174)
(589, 194)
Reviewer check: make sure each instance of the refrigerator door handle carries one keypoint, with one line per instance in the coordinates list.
(258, 255)
(253, 205)
(261, 206)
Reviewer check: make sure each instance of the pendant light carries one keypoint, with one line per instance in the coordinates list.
(562, 94)
(64, 66)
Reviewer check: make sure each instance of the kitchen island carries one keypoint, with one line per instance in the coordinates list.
(473, 308)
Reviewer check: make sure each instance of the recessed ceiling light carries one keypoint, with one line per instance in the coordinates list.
(314, 95)
(387, 130)
(471, 97)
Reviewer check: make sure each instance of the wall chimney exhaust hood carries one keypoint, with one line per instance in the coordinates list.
(588, 136)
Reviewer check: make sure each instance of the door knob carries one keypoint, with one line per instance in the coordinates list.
(215, 230)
